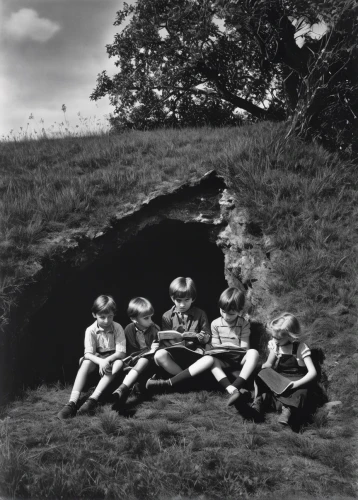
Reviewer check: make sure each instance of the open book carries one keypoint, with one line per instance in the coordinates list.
(174, 335)
(275, 381)
(225, 348)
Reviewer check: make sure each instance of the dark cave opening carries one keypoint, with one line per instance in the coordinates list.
(144, 266)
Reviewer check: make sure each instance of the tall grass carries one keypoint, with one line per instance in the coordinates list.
(75, 185)
(49, 185)
(301, 201)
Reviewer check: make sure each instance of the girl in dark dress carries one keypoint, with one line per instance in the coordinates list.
(289, 369)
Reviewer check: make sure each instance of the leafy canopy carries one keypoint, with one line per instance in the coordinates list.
(186, 62)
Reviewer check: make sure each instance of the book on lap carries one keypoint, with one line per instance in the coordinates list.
(226, 347)
(174, 335)
(275, 381)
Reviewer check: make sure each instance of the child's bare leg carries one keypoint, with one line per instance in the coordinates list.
(121, 394)
(70, 409)
(221, 377)
(201, 365)
(84, 370)
(248, 364)
(163, 358)
(107, 379)
(117, 366)
(131, 378)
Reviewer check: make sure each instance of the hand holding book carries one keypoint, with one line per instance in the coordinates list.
(278, 384)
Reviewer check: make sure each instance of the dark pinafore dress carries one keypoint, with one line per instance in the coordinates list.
(287, 366)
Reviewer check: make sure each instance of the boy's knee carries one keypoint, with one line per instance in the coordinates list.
(141, 364)
(216, 362)
(253, 355)
(208, 361)
(117, 365)
(87, 363)
(161, 356)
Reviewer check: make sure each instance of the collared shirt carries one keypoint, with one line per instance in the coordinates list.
(98, 340)
(193, 320)
(302, 351)
(150, 337)
(237, 334)
(140, 338)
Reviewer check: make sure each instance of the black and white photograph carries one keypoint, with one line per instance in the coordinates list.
(178, 249)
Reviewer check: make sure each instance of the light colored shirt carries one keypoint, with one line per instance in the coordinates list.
(302, 351)
(98, 340)
(224, 334)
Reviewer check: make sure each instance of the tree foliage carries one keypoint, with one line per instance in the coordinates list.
(195, 61)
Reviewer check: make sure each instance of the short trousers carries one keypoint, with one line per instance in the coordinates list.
(183, 356)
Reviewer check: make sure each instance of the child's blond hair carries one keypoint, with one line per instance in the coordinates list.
(285, 324)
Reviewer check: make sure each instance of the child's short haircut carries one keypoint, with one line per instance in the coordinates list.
(232, 299)
(182, 288)
(104, 304)
(286, 324)
(139, 307)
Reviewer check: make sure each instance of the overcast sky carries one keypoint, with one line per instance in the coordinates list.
(50, 54)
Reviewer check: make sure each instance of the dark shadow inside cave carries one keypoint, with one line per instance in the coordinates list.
(144, 266)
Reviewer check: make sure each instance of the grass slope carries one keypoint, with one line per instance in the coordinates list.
(174, 446)
(302, 201)
(53, 187)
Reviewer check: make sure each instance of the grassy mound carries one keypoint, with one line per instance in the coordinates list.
(302, 203)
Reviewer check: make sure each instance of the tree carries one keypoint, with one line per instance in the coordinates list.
(179, 56)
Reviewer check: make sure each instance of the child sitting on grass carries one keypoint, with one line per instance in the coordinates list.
(141, 336)
(182, 317)
(230, 349)
(105, 346)
(289, 369)
(231, 344)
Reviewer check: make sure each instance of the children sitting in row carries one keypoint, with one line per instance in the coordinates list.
(229, 349)
(221, 349)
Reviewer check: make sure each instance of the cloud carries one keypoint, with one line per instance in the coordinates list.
(26, 24)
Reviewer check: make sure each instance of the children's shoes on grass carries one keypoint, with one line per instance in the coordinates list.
(257, 410)
(158, 386)
(89, 407)
(234, 398)
(285, 415)
(239, 399)
(257, 405)
(68, 411)
(120, 396)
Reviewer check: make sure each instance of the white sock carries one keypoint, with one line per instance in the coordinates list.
(75, 396)
(96, 394)
(231, 389)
